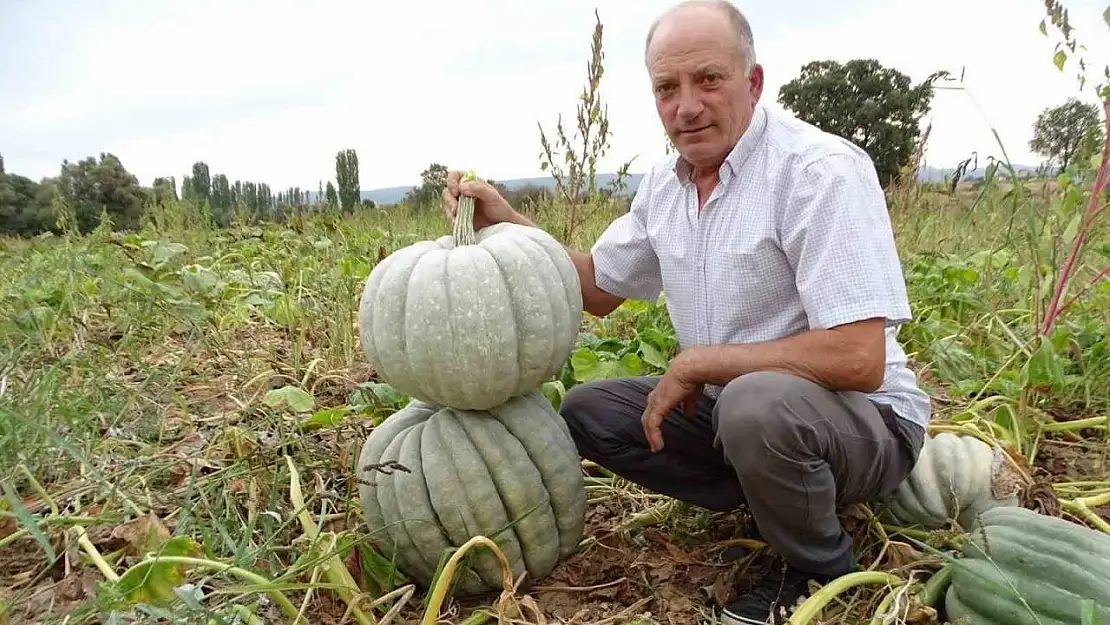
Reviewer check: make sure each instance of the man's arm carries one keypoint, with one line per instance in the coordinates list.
(847, 357)
(836, 234)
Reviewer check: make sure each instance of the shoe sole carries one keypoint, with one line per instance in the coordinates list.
(728, 618)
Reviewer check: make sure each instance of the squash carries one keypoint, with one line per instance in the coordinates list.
(955, 479)
(471, 325)
(466, 473)
(1022, 567)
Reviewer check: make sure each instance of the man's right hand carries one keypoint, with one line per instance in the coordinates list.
(489, 206)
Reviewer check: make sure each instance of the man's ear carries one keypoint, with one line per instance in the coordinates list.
(755, 80)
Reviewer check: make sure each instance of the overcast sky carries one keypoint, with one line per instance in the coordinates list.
(269, 91)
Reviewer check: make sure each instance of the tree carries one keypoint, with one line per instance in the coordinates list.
(346, 178)
(90, 187)
(433, 180)
(875, 107)
(333, 198)
(1064, 133)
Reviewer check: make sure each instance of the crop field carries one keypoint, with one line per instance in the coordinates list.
(199, 395)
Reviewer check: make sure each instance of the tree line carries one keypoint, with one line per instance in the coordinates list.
(878, 108)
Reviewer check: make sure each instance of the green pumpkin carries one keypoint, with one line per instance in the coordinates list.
(1020, 567)
(956, 478)
(469, 473)
(470, 326)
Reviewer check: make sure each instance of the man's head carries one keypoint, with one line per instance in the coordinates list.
(701, 60)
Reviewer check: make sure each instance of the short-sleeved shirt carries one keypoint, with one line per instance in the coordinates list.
(796, 236)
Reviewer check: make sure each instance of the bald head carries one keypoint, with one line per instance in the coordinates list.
(706, 17)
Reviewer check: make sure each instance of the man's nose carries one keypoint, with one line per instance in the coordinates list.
(689, 104)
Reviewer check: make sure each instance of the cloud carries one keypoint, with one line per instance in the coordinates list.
(270, 91)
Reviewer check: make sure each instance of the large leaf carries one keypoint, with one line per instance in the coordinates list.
(153, 581)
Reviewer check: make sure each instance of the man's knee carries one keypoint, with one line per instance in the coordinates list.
(764, 411)
(597, 414)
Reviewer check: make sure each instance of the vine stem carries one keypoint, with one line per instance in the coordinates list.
(1080, 238)
(813, 606)
(221, 567)
(444, 582)
(1081, 506)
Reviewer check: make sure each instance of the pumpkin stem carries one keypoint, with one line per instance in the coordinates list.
(464, 221)
(464, 218)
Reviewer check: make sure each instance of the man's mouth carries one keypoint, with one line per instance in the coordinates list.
(691, 131)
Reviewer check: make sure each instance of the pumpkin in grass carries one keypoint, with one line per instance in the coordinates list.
(511, 473)
(472, 325)
(955, 479)
(1020, 567)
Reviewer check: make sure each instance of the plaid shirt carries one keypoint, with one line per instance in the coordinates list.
(796, 236)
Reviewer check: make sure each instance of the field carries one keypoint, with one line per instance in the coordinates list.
(157, 390)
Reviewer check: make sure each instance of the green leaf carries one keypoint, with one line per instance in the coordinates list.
(1106, 16)
(325, 418)
(631, 365)
(1072, 229)
(377, 395)
(652, 355)
(28, 522)
(1044, 371)
(1044, 30)
(554, 391)
(153, 581)
(295, 398)
(1059, 58)
(585, 364)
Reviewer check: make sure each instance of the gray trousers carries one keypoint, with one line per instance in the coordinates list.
(788, 448)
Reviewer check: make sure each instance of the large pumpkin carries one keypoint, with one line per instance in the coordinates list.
(955, 479)
(468, 473)
(1020, 567)
(469, 326)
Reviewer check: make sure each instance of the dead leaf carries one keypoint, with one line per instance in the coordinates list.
(143, 534)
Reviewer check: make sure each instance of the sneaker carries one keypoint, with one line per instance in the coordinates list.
(770, 602)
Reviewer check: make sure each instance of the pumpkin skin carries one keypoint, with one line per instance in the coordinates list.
(1021, 567)
(471, 326)
(955, 479)
(473, 473)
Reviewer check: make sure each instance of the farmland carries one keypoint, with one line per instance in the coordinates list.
(155, 382)
(182, 405)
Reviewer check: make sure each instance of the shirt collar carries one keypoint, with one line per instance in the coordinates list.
(739, 152)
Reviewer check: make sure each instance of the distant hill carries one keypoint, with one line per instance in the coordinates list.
(391, 195)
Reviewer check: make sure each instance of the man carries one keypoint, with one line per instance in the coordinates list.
(772, 242)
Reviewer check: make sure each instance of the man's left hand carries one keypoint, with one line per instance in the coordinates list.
(677, 386)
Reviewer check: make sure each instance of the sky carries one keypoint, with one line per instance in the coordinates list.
(270, 91)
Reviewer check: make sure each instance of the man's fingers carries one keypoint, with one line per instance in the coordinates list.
(652, 430)
(475, 189)
(450, 203)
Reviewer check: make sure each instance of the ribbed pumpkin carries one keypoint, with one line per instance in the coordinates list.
(1021, 567)
(471, 325)
(469, 473)
(955, 479)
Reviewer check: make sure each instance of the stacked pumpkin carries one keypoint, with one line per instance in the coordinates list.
(470, 325)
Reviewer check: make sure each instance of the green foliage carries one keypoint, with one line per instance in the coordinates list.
(576, 185)
(875, 107)
(1067, 134)
(91, 187)
(433, 180)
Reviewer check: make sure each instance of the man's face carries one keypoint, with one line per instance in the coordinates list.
(703, 97)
